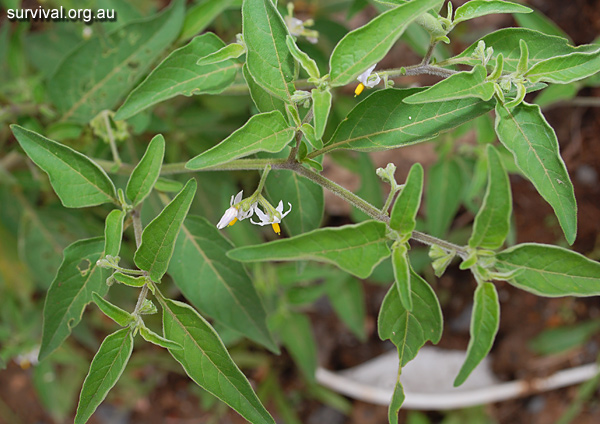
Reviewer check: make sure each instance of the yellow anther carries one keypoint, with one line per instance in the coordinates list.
(232, 222)
(276, 228)
(359, 89)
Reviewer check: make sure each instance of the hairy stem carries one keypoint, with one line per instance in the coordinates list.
(111, 139)
(137, 229)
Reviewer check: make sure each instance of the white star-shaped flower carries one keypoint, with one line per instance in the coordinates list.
(274, 219)
(367, 79)
(235, 212)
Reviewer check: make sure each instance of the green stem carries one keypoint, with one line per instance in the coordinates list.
(137, 229)
(371, 210)
(389, 199)
(111, 139)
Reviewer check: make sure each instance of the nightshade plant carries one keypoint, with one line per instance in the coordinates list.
(286, 140)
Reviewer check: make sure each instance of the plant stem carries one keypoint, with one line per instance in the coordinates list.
(111, 140)
(428, 54)
(137, 229)
(179, 167)
(307, 118)
(371, 210)
(388, 202)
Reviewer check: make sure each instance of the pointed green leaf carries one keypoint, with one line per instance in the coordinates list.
(410, 330)
(207, 362)
(309, 65)
(158, 238)
(77, 180)
(146, 172)
(151, 337)
(297, 337)
(199, 16)
(356, 249)
(105, 370)
(321, 107)
(492, 222)
(102, 70)
(485, 321)
(457, 86)
(507, 40)
(77, 278)
(396, 402)
(230, 51)
(268, 58)
(532, 141)
(387, 122)
(306, 197)
(118, 315)
(265, 132)
(128, 280)
(179, 74)
(218, 286)
(367, 45)
(402, 276)
(476, 8)
(264, 101)
(347, 298)
(444, 187)
(550, 271)
(113, 232)
(565, 69)
(404, 212)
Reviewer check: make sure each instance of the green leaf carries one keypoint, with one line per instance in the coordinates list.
(507, 40)
(550, 271)
(485, 322)
(347, 298)
(370, 185)
(77, 278)
(265, 132)
(230, 51)
(444, 188)
(356, 249)
(539, 22)
(105, 370)
(218, 286)
(268, 58)
(128, 280)
(199, 17)
(321, 107)
(552, 341)
(384, 127)
(306, 197)
(207, 362)
(396, 402)
(297, 337)
(492, 222)
(532, 141)
(457, 86)
(365, 46)
(151, 337)
(410, 330)
(146, 173)
(118, 315)
(179, 74)
(167, 185)
(158, 238)
(77, 180)
(402, 276)
(101, 71)
(406, 206)
(309, 65)
(476, 8)
(113, 232)
(565, 69)
(264, 101)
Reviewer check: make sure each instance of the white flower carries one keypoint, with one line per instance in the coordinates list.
(367, 79)
(297, 28)
(235, 212)
(274, 219)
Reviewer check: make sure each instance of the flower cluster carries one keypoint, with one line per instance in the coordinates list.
(241, 209)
